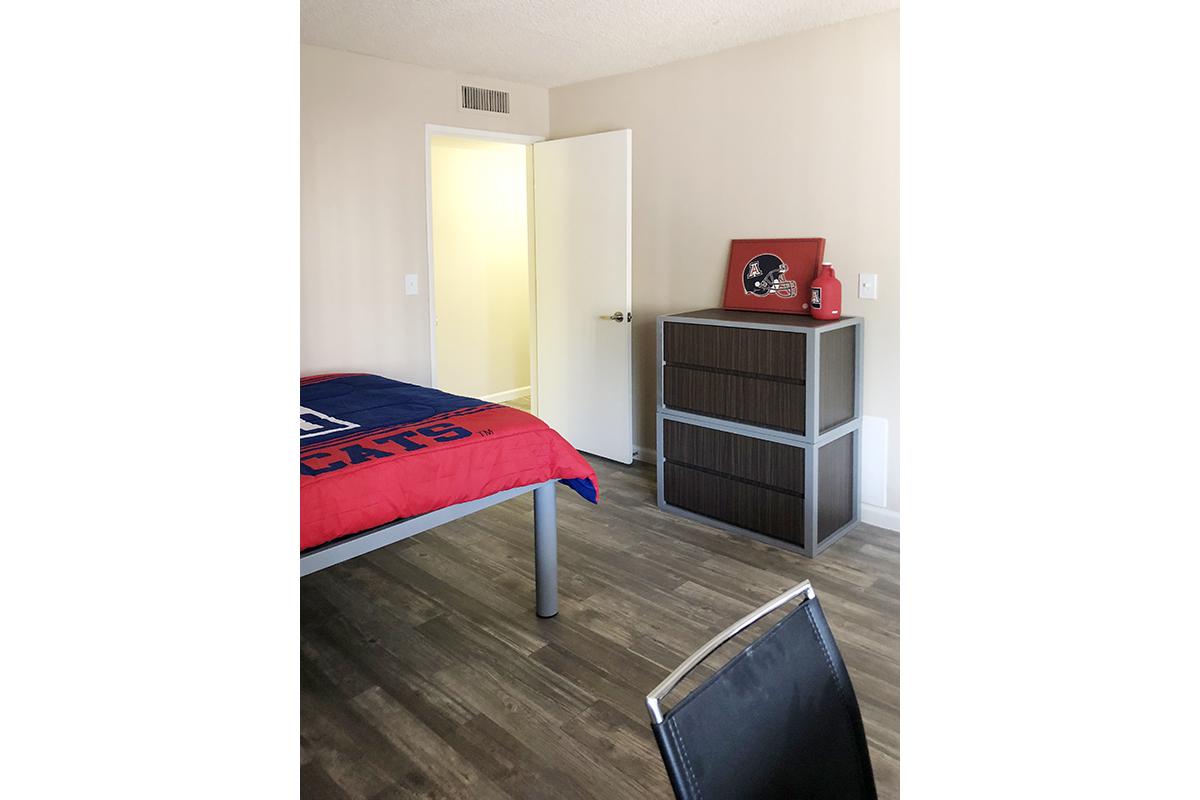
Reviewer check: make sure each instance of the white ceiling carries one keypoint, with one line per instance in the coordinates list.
(556, 42)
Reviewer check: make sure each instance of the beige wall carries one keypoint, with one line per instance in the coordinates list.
(797, 136)
(794, 136)
(362, 203)
(481, 258)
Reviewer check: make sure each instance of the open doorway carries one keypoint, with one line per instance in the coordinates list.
(566, 306)
(481, 257)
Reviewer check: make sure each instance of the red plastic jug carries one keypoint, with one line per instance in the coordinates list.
(825, 294)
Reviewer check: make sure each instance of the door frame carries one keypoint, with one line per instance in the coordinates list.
(528, 140)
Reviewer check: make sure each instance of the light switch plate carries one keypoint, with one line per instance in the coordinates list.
(868, 286)
(410, 284)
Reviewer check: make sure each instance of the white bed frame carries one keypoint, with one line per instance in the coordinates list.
(545, 538)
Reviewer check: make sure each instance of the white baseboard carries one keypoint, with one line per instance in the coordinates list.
(511, 394)
(647, 454)
(880, 517)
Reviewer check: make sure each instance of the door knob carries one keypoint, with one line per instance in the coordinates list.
(616, 317)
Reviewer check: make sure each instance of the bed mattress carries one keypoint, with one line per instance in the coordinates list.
(374, 450)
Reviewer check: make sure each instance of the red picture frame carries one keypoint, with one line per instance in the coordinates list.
(772, 274)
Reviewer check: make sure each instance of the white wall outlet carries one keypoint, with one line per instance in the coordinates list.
(868, 286)
(410, 284)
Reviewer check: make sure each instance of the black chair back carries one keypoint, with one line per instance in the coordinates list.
(779, 720)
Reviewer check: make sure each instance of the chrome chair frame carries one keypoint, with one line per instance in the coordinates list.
(654, 699)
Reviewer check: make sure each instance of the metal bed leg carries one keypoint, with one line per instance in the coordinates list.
(545, 548)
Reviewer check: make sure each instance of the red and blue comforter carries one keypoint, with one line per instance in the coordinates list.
(374, 450)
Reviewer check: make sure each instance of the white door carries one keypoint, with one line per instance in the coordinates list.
(583, 202)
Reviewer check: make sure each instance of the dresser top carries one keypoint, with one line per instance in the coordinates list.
(761, 319)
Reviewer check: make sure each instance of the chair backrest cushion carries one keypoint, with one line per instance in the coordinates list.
(780, 720)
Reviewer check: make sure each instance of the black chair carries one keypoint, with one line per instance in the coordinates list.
(780, 720)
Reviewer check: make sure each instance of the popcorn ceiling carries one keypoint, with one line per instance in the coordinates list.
(557, 42)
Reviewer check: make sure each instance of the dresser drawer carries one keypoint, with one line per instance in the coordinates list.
(736, 502)
(779, 466)
(743, 350)
(755, 401)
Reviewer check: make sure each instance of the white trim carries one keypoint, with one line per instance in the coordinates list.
(432, 130)
(476, 133)
(646, 454)
(880, 517)
(506, 395)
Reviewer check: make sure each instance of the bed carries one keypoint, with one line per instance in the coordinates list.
(382, 460)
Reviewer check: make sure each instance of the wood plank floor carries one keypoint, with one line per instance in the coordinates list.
(521, 402)
(425, 673)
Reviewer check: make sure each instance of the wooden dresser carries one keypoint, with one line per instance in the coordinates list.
(759, 419)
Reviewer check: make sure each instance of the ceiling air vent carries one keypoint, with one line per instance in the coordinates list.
(485, 99)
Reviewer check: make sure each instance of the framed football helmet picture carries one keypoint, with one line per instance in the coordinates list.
(772, 274)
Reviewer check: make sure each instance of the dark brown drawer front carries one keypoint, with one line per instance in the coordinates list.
(768, 463)
(746, 505)
(744, 350)
(756, 401)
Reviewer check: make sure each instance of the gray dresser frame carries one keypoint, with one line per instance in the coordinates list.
(811, 441)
